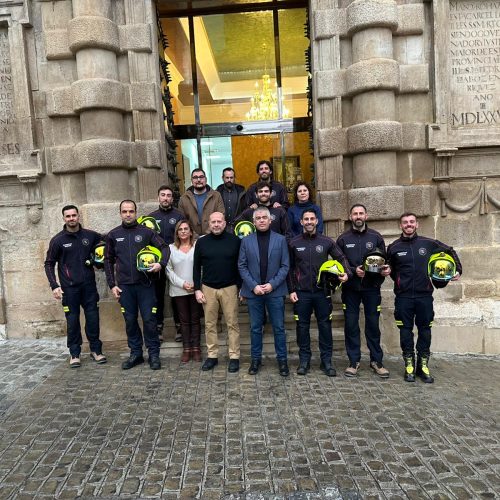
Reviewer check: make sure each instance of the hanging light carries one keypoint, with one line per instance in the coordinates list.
(264, 104)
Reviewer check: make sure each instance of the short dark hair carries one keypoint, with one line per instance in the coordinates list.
(128, 201)
(261, 185)
(69, 207)
(307, 211)
(264, 162)
(229, 169)
(198, 170)
(407, 214)
(296, 188)
(358, 205)
(164, 187)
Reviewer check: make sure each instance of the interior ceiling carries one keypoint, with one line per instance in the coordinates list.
(173, 5)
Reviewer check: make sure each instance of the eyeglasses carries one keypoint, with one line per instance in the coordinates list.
(197, 177)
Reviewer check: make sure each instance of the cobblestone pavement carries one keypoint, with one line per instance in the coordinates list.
(179, 432)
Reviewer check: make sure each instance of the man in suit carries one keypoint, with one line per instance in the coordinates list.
(263, 265)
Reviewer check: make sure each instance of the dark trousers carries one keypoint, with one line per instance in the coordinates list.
(73, 298)
(418, 311)
(135, 298)
(351, 300)
(189, 316)
(160, 288)
(318, 302)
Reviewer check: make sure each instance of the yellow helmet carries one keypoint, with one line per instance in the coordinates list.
(328, 275)
(244, 228)
(97, 256)
(146, 257)
(148, 221)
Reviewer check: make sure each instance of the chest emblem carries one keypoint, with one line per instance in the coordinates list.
(85, 242)
(171, 221)
(273, 217)
(273, 193)
(319, 248)
(138, 238)
(422, 251)
(369, 245)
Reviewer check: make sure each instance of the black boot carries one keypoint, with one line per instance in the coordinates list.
(409, 368)
(422, 370)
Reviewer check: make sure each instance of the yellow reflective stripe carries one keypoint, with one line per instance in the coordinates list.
(344, 307)
(331, 316)
(122, 309)
(379, 308)
(296, 317)
(431, 323)
(153, 310)
(66, 309)
(398, 322)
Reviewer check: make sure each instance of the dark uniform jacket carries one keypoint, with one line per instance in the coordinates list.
(355, 245)
(408, 258)
(167, 219)
(279, 220)
(234, 201)
(307, 253)
(70, 251)
(123, 243)
(278, 194)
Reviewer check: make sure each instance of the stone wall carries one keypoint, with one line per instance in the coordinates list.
(407, 119)
(82, 123)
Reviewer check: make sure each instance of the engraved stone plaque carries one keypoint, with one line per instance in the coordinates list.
(474, 55)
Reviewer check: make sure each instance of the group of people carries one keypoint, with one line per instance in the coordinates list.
(208, 269)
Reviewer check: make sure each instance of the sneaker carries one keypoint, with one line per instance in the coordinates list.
(234, 365)
(74, 362)
(352, 370)
(379, 369)
(100, 359)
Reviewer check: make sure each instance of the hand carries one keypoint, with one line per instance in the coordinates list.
(360, 272)
(258, 290)
(57, 293)
(456, 277)
(267, 288)
(241, 298)
(343, 277)
(200, 297)
(293, 297)
(189, 287)
(154, 268)
(116, 291)
(276, 204)
(386, 270)
(253, 206)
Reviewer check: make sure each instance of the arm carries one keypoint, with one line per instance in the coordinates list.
(337, 253)
(109, 262)
(50, 264)
(282, 273)
(319, 227)
(197, 265)
(219, 207)
(172, 276)
(285, 228)
(243, 267)
(341, 247)
(158, 242)
(452, 252)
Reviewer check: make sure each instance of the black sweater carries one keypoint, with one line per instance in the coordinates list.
(216, 261)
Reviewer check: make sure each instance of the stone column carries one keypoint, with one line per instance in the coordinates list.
(100, 99)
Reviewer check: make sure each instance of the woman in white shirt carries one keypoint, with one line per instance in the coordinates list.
(180, 275)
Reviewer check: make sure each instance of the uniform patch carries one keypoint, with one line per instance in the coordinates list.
(171, 221)
(369, 245)
(273, 217)
(85, 242)
(138, 238)
(319, 248)
(401, 254)
(351, 245)
(273, 193)
(300, 249)
(67, 245)
(120, 239)
(422, 251)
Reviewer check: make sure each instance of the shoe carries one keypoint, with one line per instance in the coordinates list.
(178, 333)
(209, 364)
(352, 370)
(133, 360)
(234, 366)
(303, 368)
(100, 359)
(196, 354)
(254, 366)
(328, 369)
(379, 369)
(283, 368)
(409, 369)
(154, 362)
(422, 370)
(74, 362)
(186, 355)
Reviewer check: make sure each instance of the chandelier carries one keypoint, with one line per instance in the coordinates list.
(264, 104)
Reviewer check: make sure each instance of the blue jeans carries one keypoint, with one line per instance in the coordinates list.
(420, 311)
(275, 306)
(87, 297)
(351, 300)
(135, 298)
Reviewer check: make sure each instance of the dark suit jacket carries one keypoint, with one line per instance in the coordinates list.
(277, 267)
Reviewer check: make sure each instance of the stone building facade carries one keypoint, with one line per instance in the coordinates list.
(406, 110)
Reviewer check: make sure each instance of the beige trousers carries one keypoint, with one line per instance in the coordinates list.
(227, 299)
